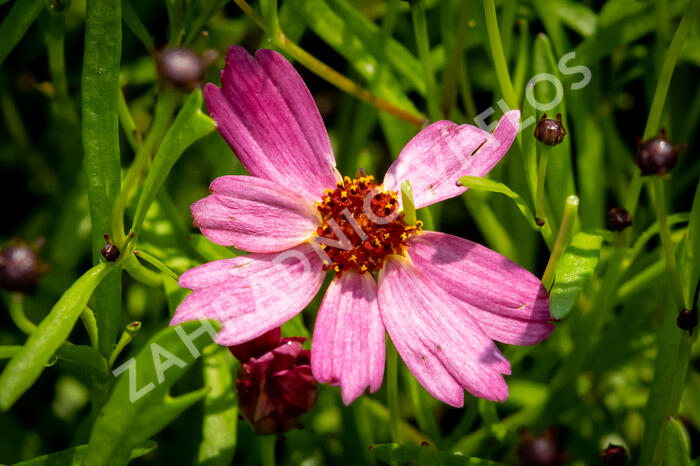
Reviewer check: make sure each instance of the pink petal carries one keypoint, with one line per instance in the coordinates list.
(443, 346)
(270, 120)
(509, 303)
(443, 152)
(256, 215)
(251, 294)
(348, 343)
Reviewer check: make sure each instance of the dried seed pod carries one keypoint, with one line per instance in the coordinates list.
(109, 251)
(619, 218)
(550, 132)
(614, 455)
(20, 268)
(657, 156)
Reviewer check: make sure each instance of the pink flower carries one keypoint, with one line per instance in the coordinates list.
(275, 385)
(442, 299)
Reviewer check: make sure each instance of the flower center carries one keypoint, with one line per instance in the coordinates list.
(361, 226)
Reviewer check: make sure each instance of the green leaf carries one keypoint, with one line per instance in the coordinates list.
(76, 455)
(220, 409)
(577, 16)
(622, 22)
(86, 363)
(358, 39)
(397, 454)
(140, 404)
(573, 271)
(677, 444)
(16, 23)
(26, 366)
(189, 126)
(133, 22)
(670, 370)
(100, 132)
(484, 184)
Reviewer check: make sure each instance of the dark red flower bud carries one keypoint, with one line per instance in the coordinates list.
(619, 218)
(614, 455)
(180, 67)
(656, 156)
(550, 132)
(540, 450)
(687, 319)
(20, 268)
(257, 346)
(109, 251)
(277, 387)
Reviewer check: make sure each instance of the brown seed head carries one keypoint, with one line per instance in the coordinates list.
(180, 67)
(20, 268)
(657, 156)
(614, 455)
(687, 319)
(550, 132)
(619, 218)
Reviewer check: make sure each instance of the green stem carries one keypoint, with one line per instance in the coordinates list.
(17, 314)
(420, 28)
(465, 89)
(88, 319)
(157, 263)
(329, 74)
(267, 449)
(100, 134)
(165, 107)
(127, 122)
(392, 390)
(499, 58)
(541, 175)
(567, 226)
(140, 273)
(657, 189)
(57, 65)
(657, 104)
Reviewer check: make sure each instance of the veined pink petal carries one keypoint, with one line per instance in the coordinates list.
(348, 342)
(254, 214)
(443, 346)
(251, 294)
(509, 303)
(443, 152)
(270, 120)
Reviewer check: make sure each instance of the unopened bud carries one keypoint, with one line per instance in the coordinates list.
(614, 455)
(181, 68)
(550, 132)
(687, 319)
(277, 387)
(20, 268)
(657, 156)
(619, 218)
(541, 450)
